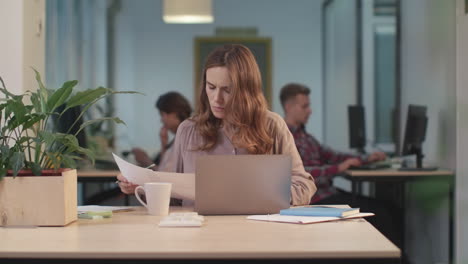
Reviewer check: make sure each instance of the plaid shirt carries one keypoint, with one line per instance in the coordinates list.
(319, 160)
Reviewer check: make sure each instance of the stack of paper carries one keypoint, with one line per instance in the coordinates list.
(303, 219)
(311, 214)
(183, 184)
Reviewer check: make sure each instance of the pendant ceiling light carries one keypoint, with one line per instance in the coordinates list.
(187, 11)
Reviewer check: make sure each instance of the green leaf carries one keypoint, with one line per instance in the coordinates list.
(43, 94)
(87, 152)
(18, 109)
(36, 168)
(38, 149)
(36, 101)
(126, 92)
(39, 80)
(33, 119)
(17, 162)
(61, 95)
(75, 157)
(47, 137)
(3, 106)
(70, 142)
(86, 97)
(115, 119)
(3, 172)
(68, 161)
(5, 153)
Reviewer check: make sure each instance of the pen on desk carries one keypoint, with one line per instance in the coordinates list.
(148, 167)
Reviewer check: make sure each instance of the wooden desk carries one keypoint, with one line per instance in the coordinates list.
(97, 175)
(401, 177)
(87, 176)
(134, 236)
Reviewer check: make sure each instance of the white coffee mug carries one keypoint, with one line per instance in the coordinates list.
(158, 196)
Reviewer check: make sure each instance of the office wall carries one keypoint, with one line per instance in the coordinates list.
(11, 50)
(22, 45)
(428, 78)
(153, 57)
(461, 208)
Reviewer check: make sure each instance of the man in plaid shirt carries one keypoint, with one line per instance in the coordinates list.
(320, 161)
(323, 163)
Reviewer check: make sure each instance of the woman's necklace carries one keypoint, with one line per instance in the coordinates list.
(228, 135)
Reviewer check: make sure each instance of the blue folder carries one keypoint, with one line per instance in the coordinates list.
(320, 211)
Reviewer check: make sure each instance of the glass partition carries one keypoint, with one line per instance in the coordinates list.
(360, 67)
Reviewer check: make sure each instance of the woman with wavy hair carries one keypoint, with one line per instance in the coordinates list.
(233, 118)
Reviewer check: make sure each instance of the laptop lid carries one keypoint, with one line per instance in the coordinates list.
(242, 184)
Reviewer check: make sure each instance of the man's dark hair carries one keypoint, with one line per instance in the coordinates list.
(290, 90)
(174, 102)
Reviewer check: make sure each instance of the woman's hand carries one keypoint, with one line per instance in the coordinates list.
(126, 186)
(164, 137)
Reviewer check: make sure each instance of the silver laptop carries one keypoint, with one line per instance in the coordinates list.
(242, 184)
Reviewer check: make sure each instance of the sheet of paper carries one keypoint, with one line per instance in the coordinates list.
(302, 219)
(133, 173)
(183, 184)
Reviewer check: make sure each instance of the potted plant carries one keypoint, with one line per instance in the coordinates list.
(38, 181)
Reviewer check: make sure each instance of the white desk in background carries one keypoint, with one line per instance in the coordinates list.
(357, 177)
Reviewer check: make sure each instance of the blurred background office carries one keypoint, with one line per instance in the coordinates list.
(127, 45)
(381, 54)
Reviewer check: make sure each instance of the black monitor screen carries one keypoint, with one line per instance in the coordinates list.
(357, 127)
(415, 131)
(64, 123)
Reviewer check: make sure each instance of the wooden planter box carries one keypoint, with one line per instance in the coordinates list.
(39, 200)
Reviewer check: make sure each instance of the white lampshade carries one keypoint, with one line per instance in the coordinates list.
(188, 11)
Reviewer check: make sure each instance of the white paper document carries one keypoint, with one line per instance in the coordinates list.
(183, 184)
(303, 219)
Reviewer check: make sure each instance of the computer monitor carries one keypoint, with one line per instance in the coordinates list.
(415, 132)
(357, 128)
(65, 122)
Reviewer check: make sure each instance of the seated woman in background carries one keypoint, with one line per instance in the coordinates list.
(173, 109)
(233, 119)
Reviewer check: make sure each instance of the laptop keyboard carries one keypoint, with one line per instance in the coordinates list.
(371, 166)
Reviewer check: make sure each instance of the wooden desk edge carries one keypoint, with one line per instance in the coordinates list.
(389, 254)
(396, 172)
(97, 173)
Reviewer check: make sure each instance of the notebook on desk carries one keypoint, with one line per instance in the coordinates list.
(242, 184)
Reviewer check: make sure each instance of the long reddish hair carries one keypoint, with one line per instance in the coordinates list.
(246, 110)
